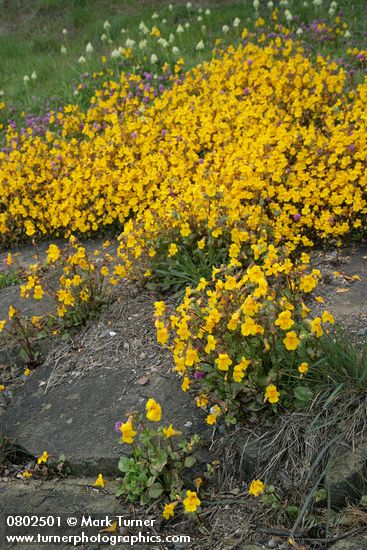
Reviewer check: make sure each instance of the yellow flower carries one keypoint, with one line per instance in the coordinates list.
(214, 413)
(198, 482)
(27, 372)
(223, 361)
(271, 394)
(173, 249)
(100, 482)
(316, 327)
(84, 295)
(105, 271)
(12, 312)
(211, 343)
(76, 280)
(250, 328)
(303, 368)
(291, 341)
(2, 387)
(327, 317)
(238, 374)
(53, 253)
(170, 431)
(191, 502)
(160, 308)
(154, 410)
(201, 244)
(256, 487)
(284, 320)
(191, 357)
(43, 458)
(308, 283)
(169, 510)
(211, 419)
(162, 333)
(185, 230)
(202, 284)
(202, 400)
(38, 292)
(2, 325)
(26, 474)
(9, 259)
(185, 383)
(128, 432)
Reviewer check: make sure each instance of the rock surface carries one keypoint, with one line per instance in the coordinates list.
(64, 498)
(358, 543)
(346, 478)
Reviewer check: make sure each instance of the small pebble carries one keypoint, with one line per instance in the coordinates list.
(272, 544)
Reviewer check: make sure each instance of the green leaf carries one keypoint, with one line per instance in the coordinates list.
(320, 495)
(124, 464)
(155, 490)
(151, 481)
(120, 491)
(303, 394)
(159, 461)
(189, 461)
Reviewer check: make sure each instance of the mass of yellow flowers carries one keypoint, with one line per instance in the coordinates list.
(259, 143)
(252, 158)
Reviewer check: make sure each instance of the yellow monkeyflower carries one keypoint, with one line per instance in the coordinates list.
(38, 292)
(256, 487)
(154, 410)
(53, 253)
(173, 249)
(316, 327)
(211, 343)
(214, 413)
(12, 312)
(291, 340)
(307, 283)
(303, 368)
(271, 394)
(284, 320)
(223, 361)
(9, 259)
(128, 432)
(191, 502)
(201, 244)
(170, 431)
(2, 387)
(169, 510)
(327, 317)
(26, 474)
(159, 308)
(185, 383)
(84, 295)
(43, 458)
(100, 482)
(202, 400)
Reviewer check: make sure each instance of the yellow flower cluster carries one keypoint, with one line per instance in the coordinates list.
(259, 143)
(239, 333)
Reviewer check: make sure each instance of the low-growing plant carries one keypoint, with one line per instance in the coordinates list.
(244, 337)
(159, 458)
(77, 286)
(9, 277)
